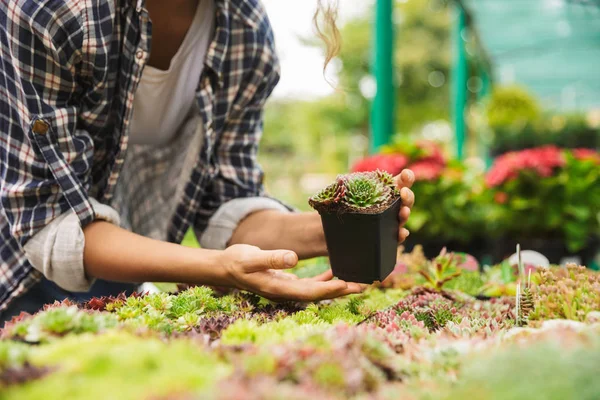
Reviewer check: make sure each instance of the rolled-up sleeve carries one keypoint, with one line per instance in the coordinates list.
(57, 250)
(224, 222)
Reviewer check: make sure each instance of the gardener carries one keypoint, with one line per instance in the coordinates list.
(125, 123)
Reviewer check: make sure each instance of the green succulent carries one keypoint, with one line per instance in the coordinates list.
(363, 191)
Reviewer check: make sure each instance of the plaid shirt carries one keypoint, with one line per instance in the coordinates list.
(68, 74)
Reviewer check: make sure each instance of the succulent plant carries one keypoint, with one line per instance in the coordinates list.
(526, 303)
(333, 193)
(214, 326)
(443, 269)
(359, 190)
(388, 180)
(363, 191)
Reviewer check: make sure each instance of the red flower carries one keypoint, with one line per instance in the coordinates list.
(542, 160)
(392, 163)
(432, 152)
(587, 154)
(426, 170)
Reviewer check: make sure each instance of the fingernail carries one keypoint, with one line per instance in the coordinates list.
(290, 259)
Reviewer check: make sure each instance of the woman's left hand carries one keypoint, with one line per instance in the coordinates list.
(404, 181)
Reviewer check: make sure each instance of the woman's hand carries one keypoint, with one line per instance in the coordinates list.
(259, 271)
(404, 181)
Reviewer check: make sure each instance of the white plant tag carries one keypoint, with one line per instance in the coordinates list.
(530, 257)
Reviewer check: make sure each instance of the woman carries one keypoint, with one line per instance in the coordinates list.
(123, 124)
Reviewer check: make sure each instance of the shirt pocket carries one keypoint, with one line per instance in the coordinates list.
(68, 157)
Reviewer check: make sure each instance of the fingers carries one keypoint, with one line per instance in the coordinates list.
(408, 197)
(307, 290)
(315, 291)
(403, 234)
(406, 178)
(404, 215)
(262, 260)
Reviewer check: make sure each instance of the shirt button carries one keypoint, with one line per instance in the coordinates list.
(139, 54)
(40, 127)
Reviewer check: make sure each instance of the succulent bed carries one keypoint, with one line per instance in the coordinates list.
(423, 333)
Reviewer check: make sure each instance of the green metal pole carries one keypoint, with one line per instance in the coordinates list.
(483, 94)
(383, 113)
(460, 74)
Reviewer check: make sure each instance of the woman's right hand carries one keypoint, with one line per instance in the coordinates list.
(260, 271)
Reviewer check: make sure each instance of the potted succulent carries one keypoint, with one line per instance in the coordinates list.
(359, 212)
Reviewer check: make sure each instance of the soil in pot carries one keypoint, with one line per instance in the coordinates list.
(360, 219)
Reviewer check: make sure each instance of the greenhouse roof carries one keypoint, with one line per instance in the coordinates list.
(550, 46)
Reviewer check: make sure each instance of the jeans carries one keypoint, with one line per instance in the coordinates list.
(46, 292)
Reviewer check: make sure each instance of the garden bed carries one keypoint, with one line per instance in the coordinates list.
(421, 334)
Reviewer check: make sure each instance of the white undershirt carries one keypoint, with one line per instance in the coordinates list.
(163, 98)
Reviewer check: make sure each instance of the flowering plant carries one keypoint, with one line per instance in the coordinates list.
(445, 193)
(546, 192)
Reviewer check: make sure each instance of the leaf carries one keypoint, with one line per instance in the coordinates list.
(579, 212)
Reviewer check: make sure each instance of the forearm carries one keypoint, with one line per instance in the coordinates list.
(112, 253)
(270, 230)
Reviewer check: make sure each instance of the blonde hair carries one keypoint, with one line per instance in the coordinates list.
(325, 24)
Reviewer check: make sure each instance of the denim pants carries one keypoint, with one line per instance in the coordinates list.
(46, 292)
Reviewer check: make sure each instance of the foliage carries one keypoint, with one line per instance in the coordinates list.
(356, 192)
(441, 270)
(545, 192)
(518, 122)
(511, 106)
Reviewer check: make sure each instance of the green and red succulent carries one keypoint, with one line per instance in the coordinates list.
(357, 192)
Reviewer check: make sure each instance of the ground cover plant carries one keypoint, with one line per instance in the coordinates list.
(425, 332)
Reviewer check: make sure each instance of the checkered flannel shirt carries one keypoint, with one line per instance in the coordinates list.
(68, 74)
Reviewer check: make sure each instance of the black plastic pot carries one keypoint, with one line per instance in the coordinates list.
(362, 247)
